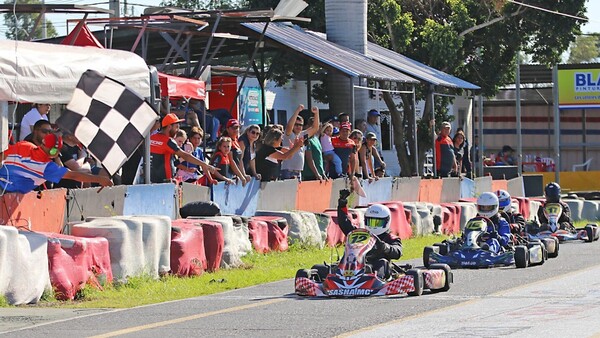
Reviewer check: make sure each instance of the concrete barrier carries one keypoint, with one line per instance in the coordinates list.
(467, 188)
(337, 185)
(23, 265)
(405, 189)
(278, 195)
(430, 190)
(236, 199)
(499, 185)
(193, 192)
(84, 203)
(376, 191)
(482, 184)
(314, 196)
(515, 187)
(164, 200)
(43, 211)
(450, 190)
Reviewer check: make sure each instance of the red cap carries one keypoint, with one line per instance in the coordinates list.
(170, 119)
(232, 123)
(346, 125)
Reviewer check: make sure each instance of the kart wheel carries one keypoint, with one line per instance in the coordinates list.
(521, 256)
(590, 231)
(322, 271)
(555, 253)
(419, 281)
(444, 248)
(551, 245)
(305, 273)
(427, 252)
(447, 273)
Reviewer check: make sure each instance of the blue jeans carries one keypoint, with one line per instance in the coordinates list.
(337, 162)
(286, 174)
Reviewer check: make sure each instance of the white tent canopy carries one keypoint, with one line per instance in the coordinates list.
(48, 73)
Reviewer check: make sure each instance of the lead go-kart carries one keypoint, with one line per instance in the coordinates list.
(467, 251)
(351, 277)
(553, 211)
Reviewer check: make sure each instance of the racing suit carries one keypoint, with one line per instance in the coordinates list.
(564, 221)
(387, 247)
(515, 220)
(498, 233)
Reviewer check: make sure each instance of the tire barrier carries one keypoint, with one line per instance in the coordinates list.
(24, 271)
(524, 206)
(421, 218)
(400, 224)
(590, 210)
(278, 231)
(303, 226)
(200, 209)
(534, 206)
(37, 211)
(156, 239)
(467, 211)
(75, 262)
(324, 220)
(576, 207)
(453, 224)
(335, 235)
(188, 256)
(236, 240)
(259, 235)
(214, 242)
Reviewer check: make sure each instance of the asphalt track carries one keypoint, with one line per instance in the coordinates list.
(560, 298)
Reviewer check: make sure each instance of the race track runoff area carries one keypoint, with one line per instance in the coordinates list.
(565, 306)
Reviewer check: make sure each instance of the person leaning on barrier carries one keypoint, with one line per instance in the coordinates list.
(27, 166)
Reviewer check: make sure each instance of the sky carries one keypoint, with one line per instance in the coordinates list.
(59, 20)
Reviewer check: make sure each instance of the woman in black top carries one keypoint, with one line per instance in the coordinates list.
(270, 154)
(247, 143)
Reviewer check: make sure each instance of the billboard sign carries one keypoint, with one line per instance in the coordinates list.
(578, 88)
(251, 106)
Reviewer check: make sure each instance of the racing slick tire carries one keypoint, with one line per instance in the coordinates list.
(444, 248)
(305, 273)
(447, 272)
(418, 280)
(552, 246)
(322, 271)
(521, 256)
(590, 231)
(426, 252)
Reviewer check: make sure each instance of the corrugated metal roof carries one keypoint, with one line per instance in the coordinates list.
(415, 68)
(328, 53)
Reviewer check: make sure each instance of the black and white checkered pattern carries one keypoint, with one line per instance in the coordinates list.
(107, 118)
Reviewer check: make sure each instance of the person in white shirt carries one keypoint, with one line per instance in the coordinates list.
(38, 112)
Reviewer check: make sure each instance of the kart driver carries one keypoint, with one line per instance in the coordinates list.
(377, 221)
(498, 230)
(552, 192)
(514, 219)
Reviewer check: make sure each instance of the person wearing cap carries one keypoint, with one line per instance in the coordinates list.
(232, 130)
(163, 148)
(26, 166)
(506, 156)
(368, 156)
(445, 162)
(292, 167)
(39, 111)
(345, 148)
(374, 127)
(335, 122)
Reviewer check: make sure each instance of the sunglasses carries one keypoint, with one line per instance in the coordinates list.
(46, 131)
(298, 125)
(255, 132)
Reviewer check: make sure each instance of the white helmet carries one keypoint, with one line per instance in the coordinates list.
(377, 219)
(504, 201)
(487, 204)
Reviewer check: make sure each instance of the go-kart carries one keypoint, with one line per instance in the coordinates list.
(352, 277)
(552, 211)
(466, 251)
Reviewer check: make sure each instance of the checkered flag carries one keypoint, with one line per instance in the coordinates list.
(107, 118)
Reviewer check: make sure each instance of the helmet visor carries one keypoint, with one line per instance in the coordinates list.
(375, 223)
(486, 208)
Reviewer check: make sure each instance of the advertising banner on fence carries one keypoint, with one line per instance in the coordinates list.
(251, 106)
(578, 88)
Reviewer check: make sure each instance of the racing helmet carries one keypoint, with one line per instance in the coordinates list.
(504, 201)
(377, 219)
(552, 192)
(487, 204)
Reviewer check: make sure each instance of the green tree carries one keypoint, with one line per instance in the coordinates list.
(202, 4)
(585, 49)
(20, 25)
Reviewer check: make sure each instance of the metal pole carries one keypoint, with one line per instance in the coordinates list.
(518, 102)
(414, 111)
(480, 133)
(432, 100)
(556, 124)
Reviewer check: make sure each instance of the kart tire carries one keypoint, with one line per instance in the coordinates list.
(590, 231)
(551, 245)
(447, 273)
(444, 248)
(555, 253)
(427, 252)
(521, 256)
(304, 273)
(419, 281)
(322, 271)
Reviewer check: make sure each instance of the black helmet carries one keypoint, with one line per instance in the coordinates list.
(552, 192)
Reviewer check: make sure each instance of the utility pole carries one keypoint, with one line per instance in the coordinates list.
(115, 6)
(44, 31)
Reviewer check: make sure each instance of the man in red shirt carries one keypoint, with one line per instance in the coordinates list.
(162, 149)
(345, 148)
(445, 162)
